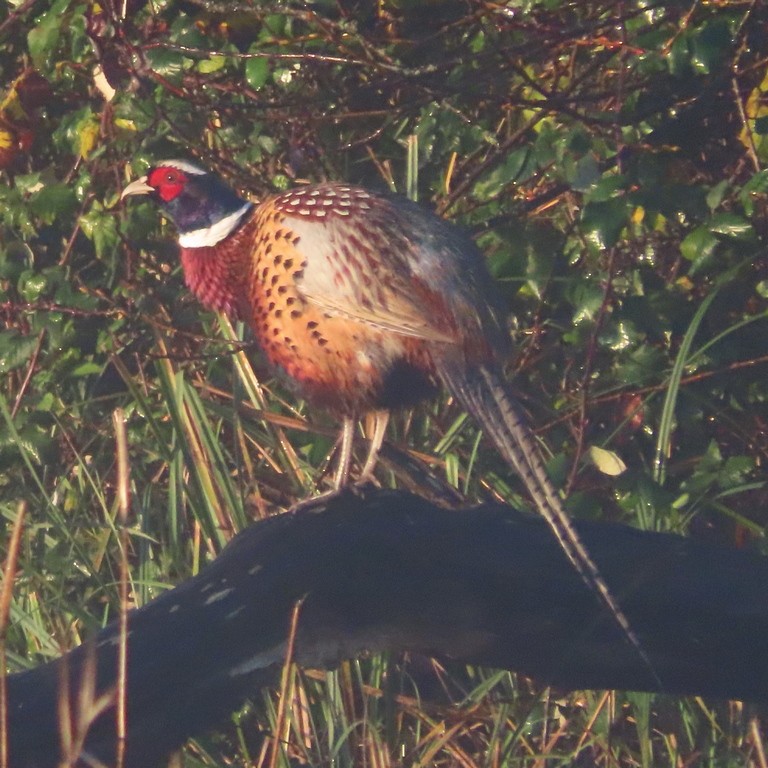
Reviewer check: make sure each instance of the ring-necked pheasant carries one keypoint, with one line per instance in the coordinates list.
(366, 301)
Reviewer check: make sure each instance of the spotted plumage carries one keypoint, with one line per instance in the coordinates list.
(366, 302)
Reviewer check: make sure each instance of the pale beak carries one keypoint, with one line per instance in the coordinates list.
(138, 187)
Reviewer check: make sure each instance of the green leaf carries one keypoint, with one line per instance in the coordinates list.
(641, 366)
(15, 257)
(757, 185)
(257, 71)
(477, 44)
(711, 45)
(169, 64)
(68, 296)
(607, 187)
(32, 286)
(46, 402)
(587, 298)
(42, 39)
(699, 244)
(735, 470)
(101, 228)
(731, 225)
(212, 64)
(667, 420)
(679, 58)
(717, 193)
(514, 167)
(29, 439)
(54, 201)
(585, 174)
(618, 334)
(15, 350)
(86, 369)
(602, 222)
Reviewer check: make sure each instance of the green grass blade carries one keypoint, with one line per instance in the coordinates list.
(666, 423)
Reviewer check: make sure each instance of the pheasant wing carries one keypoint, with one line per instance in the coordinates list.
(385, 262)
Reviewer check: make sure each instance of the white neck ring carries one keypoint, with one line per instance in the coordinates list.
(208, 236)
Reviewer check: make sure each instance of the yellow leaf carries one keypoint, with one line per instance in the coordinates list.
(125, 125)
(88, 136)
(7, 139)
(608, 462)
(754, 109)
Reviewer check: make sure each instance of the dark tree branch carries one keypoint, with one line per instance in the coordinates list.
(391, 571)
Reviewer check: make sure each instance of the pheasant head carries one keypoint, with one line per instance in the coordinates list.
(203, 208)
(213, 226)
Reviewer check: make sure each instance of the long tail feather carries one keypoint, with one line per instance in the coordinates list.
(483, 392)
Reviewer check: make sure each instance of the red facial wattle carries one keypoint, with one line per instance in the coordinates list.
(168, 182)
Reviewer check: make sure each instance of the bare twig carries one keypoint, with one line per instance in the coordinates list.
(16, 15)
(28, 376)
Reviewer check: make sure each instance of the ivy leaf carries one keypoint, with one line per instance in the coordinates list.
(515, 166)
(32, 286)
(602, 222)
(169, 64)
(212, 64)
(257, 72)
(42, 39)
(711, 45)
(699, 244)
(587, 299)
(101, 228)
(53, 201)
(15, 350)
(88, 130)
(731, 225)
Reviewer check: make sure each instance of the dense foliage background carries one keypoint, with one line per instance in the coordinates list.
(610, 159)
